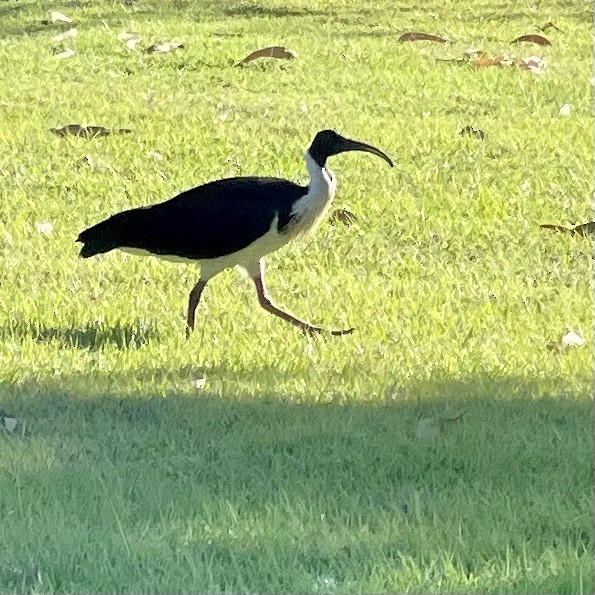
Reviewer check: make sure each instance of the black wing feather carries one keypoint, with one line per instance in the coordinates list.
(208, 221)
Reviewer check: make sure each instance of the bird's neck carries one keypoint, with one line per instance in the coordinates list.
(311, 208)
(320, 175)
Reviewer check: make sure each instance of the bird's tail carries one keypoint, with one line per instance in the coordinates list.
(115, 232)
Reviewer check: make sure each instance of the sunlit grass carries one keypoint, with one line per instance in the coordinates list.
(297, 467)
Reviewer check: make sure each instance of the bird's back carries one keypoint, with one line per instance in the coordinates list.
(205, 222)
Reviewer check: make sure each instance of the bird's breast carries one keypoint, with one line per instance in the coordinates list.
(310, 209)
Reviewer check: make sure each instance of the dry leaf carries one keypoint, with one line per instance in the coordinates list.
(57, 17)
(583, 229)
(155, 156)
(67, 53)
(131, 43)
(483, 61)
(421, 36)
(164, 47)
(10, 423)
(342, 216)
(535, 64)
(472, 131)
(200, 383)
(271, 52)
(87, 131)
(565, 110)
(570, 339)
(538, 39)
(45, 228)
(66, 35)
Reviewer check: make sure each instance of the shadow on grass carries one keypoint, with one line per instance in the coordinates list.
(19, 19)
(92, 336)
(252, 10)
(320, 490)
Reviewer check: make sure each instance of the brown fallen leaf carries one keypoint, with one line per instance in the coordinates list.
(163, 48)
(583, 229)
(270, 52)
(483, 61)
(342, 216)
(421, 36)
(66, 35)
(535, 64)
(538, 39)
(472, 131)
(87, 131)
(56, 17)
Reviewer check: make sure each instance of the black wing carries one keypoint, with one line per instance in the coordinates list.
(208, 221)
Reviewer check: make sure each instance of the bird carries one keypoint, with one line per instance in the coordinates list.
(231, 222)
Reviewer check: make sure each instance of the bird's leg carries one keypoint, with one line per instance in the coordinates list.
(269, 306)
(193, 301)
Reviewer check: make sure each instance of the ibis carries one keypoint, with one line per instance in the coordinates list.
(230, 222)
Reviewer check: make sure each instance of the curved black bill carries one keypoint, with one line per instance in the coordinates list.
(354, 145)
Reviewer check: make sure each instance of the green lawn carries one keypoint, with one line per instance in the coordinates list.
(298, 467)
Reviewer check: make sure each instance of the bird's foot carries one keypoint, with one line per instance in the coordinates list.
(316, 330)
(338, 333)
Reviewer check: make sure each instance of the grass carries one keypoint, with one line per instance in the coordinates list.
(297, 468)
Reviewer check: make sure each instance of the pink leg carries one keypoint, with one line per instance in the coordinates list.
(269, 306)
(193, 301)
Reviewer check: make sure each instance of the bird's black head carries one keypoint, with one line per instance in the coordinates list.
(328, 142)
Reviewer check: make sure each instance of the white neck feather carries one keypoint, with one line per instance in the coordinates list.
(312, 207)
